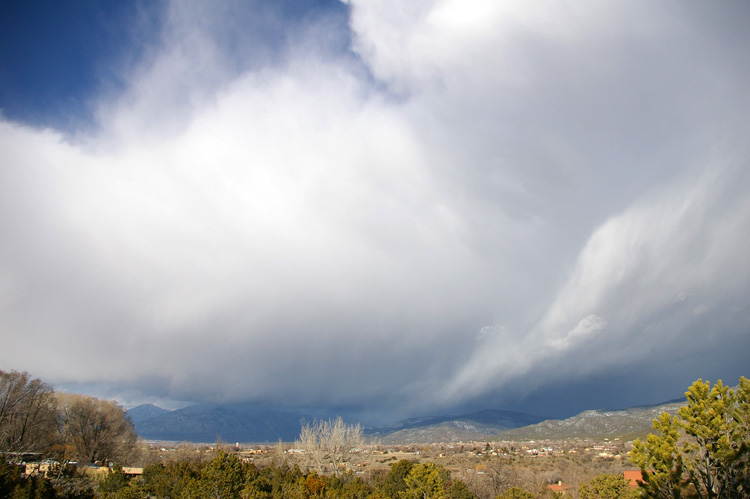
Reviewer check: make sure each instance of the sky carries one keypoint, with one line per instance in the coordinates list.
(383, 209)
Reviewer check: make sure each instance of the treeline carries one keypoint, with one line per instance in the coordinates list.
(226, 476)
(65, 427)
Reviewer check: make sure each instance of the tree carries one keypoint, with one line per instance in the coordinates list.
(394, 483)
(659, 459)
(516, 493)
(27, 413)
(499, 475)
(607, 486)
(425, 481)
(220, 478)
(14, 484)
(330, 442)
(114, 481)
(704, 450)
(170, 480)
(459, 490)
(93, 430)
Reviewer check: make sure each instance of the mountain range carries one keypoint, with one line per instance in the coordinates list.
(467, 427)
(627, 424)
(251, 424)
(211, 422)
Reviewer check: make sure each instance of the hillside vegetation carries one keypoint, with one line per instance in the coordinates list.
(625, 425)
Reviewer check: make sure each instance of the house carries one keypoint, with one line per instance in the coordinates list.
(562, 488)
(632, 477)
(46, 468)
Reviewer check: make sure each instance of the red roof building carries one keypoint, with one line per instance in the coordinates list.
(632, 477)
(559, 487)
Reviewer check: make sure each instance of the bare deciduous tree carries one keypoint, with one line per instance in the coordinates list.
(27, 413)
(491, 478)
(95, 429)
(330, 443)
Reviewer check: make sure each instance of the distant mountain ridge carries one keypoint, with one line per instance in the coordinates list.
(251, 424)
(144, 412)
(627, 424)
(466, 427)
(231, 423)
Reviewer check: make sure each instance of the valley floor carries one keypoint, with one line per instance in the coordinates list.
(488, 468)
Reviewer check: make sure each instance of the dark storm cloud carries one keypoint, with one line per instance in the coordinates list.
(475, 201)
